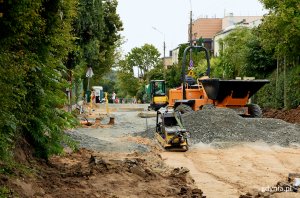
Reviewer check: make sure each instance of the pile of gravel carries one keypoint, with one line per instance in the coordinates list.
(224, 125)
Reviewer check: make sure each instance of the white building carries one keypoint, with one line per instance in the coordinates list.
(175, 53)
(230, 23)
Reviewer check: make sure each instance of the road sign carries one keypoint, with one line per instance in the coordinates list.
(89, 73)
(191, 63)
(191, 73)
(190, 68)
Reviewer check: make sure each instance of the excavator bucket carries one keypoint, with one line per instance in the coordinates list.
(217, 89)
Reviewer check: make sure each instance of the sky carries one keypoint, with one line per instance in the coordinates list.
(156, 21)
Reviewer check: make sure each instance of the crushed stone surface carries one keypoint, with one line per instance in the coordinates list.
(113, 145)
(224, 125)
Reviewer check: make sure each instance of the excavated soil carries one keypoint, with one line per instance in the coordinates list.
(292, 115)
(92, 174)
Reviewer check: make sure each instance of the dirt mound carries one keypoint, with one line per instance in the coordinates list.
(94, 174)
(224, 125)
(292, 115)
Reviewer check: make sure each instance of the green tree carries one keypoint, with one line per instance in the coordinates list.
(157, 73)
(88, 28)
(34, 43)
(145, 58)
(280, 31)
(127, 84)
(109, 82)
(173, 76)
(243, 55)
(234, 53)
(97, 30)
(272, 95)
(111, 38)
(259, 62)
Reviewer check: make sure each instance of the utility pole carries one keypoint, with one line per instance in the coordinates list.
(191, 30)
(164, 47)
(191, 35)
(164, 51)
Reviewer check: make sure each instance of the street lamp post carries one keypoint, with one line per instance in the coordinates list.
(164, 46)
(191, 34)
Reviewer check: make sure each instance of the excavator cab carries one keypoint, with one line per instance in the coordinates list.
(157, 92)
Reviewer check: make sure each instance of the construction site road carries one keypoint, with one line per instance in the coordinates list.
(234, 168)
(237, 170)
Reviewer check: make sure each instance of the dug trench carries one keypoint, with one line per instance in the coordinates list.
(87, 173)
(229, 157)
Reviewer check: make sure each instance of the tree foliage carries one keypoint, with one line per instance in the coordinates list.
(272, 95)
(235, 51)
(158, 73)
(145, 58)
(97, 30)
(259, 62)
(173, 76)
(243, 55)
(42, 44)
(35, 41)
(280, 30)
(127, 84)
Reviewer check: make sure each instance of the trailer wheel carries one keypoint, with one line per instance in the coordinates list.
(254, 110)
(183, 108)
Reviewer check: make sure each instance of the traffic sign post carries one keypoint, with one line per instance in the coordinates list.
(89, 75)
(191, 73)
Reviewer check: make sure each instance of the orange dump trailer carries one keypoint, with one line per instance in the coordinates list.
(215, 93)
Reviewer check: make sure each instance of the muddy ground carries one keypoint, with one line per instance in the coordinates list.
(120, 163)
(92, 174)
(291, 115)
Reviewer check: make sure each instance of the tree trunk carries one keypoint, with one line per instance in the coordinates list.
(277, 83)
(70, 91)
(284, 84)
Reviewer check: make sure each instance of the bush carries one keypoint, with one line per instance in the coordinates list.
(273, 97)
